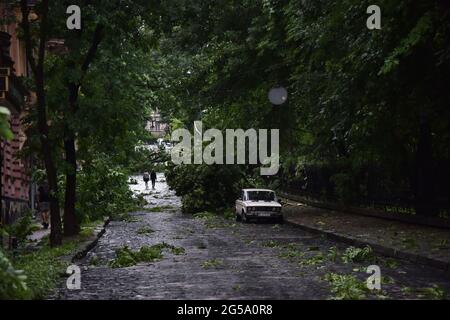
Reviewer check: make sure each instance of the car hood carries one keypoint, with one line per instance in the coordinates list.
(262, 203)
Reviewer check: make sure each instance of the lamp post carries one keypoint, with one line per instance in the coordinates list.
(278, 96)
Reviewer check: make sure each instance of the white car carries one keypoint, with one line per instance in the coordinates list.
(258, 204)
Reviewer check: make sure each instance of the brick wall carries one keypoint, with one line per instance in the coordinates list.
(15, 177)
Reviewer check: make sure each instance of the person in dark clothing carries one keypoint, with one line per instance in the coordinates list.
(153, 178)
(44, 204)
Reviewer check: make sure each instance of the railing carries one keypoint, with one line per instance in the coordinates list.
(16, 93)
(370, 187)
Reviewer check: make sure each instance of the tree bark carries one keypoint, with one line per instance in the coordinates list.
(71, 223)
(43, 128)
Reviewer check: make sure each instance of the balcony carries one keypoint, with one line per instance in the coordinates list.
(17, 94)
(12, 91)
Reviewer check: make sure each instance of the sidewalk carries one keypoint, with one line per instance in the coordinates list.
(40, 233)
(416, 243)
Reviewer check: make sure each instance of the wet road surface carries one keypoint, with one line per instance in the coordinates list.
(224, 259)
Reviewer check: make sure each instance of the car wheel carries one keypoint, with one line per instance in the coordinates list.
(238, 217)
(280, 220)
(244, 218)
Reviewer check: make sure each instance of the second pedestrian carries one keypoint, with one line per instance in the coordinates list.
(153, 177)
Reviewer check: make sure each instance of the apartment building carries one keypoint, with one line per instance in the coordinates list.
(15, 171)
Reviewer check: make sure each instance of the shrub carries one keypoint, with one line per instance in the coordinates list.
(145, 230)
(43, 267)
(211, 264)
(149, 254)
(434, 292)
(103, 190)
(205, 215)
(205, 187)
(12, 281)
(21, 228)
(353, 254)
(5, 130)
(346, 287)
(125, 257)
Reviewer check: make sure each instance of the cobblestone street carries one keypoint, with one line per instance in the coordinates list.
(224, 259)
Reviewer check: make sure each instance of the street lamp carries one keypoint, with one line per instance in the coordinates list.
(278, 96)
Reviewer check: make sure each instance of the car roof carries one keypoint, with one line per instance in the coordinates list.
(258, 190)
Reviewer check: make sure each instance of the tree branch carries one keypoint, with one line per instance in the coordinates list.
(74, 87)
(27, 37)
(98, 37)
(42, 37)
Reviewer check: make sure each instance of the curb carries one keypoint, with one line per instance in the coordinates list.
(91, 244)
(386, 251)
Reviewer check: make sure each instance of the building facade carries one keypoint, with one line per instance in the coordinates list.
(156, 126)
(15, 171)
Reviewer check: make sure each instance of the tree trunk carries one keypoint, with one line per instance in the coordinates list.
(52, 177)
(37, 66)
(71, 223)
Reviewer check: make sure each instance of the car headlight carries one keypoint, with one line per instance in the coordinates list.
(251, 208)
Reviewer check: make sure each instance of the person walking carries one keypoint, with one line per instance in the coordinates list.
(153, 177)
(44, 204)
(146, 179)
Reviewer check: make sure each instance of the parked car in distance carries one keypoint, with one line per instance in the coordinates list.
(258, 204)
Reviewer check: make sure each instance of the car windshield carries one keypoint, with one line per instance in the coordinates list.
(261, 196)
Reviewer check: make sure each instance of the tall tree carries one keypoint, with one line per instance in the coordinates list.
(59, 76)
(101, 22)
(367, 115)
(37, 66)
(71, 223)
